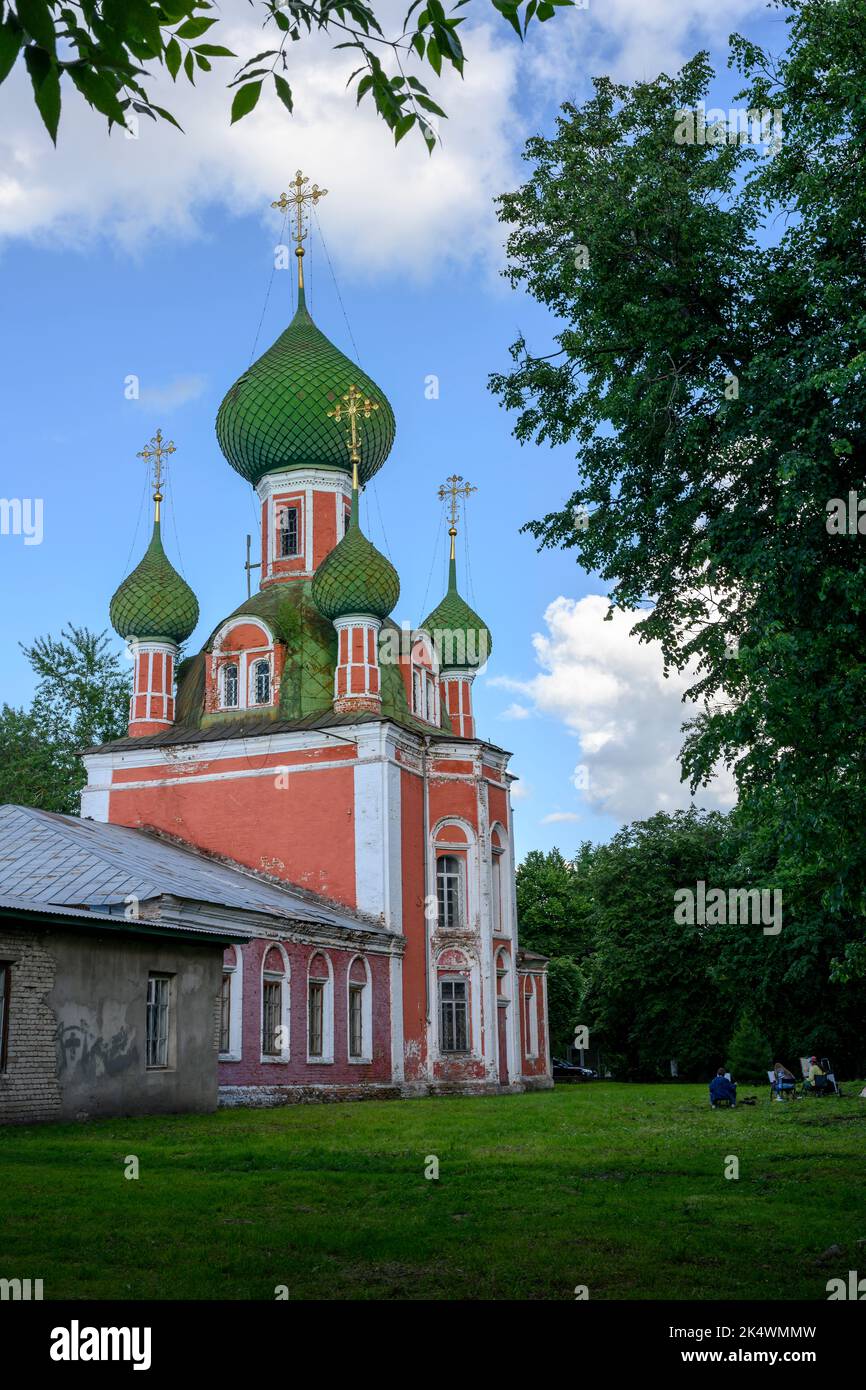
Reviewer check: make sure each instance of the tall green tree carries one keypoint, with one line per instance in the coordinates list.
(553, 903)
(709, 369)
(81, 698)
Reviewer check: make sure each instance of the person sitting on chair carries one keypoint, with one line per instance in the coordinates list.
(784, 1080)
(722, 1089)
(811, 1081)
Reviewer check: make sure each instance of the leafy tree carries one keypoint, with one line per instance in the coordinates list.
(82, 698)
(749, 1056)
(105, 50)
(552, 903)
(565, 987)
(710, 370)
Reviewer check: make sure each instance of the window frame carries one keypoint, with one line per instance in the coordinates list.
(284, 510)
(254, 663)
(224, 670)
(270, 983)
(448, 1005)
(226, 1012)
(457, 921)
(154, 978)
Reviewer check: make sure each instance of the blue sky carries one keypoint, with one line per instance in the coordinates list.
(159, 266)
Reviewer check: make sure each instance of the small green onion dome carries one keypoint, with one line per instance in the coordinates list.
(154, 603)
(464, 640)
(355, 577)
(276, 415)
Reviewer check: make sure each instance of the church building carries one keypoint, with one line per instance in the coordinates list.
(312, 742)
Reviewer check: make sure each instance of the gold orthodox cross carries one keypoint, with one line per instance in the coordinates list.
(301, 197)
(353, 404)
(156, 451)
(454, 488)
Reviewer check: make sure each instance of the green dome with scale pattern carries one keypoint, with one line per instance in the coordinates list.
(276, 414)
(461, 638)
(154, 603)
(355, 577)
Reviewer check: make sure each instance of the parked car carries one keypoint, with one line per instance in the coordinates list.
(570, 1071)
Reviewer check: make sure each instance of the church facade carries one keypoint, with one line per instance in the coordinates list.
(313, 741)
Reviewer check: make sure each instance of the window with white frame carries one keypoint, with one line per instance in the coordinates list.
(530, 1017)
(226, 1011)
(272, 1016)
(260, 682)
(360, 1013)
(356, 1020)
(288, 531)
(320, 1011)
(453, 1016)
(450, 892)
(230, 691)
(158, 1021)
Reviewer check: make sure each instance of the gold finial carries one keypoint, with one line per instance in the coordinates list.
(300, 196)
(157, 450)
(454, 488)
(353, 404)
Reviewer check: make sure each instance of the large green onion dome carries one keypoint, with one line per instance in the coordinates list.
(355, 577)
(154, 603)
(462, 639)
(276, 415)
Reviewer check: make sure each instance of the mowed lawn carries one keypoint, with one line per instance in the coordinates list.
(617, 1187)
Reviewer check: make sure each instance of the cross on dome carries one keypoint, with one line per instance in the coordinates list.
(301, 197)
(454, 488)
(351, 405)
(156, 451)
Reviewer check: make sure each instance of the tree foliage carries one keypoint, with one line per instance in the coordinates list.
(710, 370)
(81, 698)
(106, 51)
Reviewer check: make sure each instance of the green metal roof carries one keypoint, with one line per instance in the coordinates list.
(154, 603)
(276, 414)
(355, 577)
(464, 640)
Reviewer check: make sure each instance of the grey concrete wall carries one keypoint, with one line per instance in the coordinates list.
(77, 1029)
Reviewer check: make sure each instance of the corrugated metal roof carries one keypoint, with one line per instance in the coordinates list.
(46, 858)
(115, 920)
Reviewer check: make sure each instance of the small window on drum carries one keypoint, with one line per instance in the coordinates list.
(287, 523)
(230, 685)
(261, 683)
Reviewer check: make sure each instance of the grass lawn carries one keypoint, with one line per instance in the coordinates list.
(614, 1186)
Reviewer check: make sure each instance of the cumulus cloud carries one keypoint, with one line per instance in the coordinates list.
(393, 210)
(610, 691)
(516, 711)
(173, 394)
(387, 208)
(558, 817)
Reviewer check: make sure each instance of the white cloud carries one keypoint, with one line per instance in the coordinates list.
(387, 208)
(516, 711)
(173, 394)
(556, 817)
(609, 690)
(520, 791)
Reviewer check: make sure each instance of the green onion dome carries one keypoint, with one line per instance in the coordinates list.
(461, 638)
(355, 577)
(154, 603)
(276, 415)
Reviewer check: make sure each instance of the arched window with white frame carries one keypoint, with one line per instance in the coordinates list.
(359, 1002)
(320, 1008)
(451, 891)
(260, 682)
(530, 1016)
(276, 1004)
(231, 1005)
(229, 687)
(499, 883)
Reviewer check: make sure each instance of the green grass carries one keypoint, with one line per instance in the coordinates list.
(617, 1187)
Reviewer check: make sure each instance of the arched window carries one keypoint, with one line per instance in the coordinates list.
(229, 676)
(320, 1010)
(499, 907)
(530, 1017)
(450, 892)
(260, 682)
(231, 1004)
(360, 1013)
(275, 1006)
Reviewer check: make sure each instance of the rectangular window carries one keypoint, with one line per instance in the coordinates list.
(356, 1020)
(316, 1015)
(272, 1002)
(158, 1000)
(226, 1012)
(287, 520)
(5, 985)
(454, 1019)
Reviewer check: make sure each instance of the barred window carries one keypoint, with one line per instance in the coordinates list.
(454, 1016)
(226, 1011)
(287, 519)
(272, 1008)
(230, 685)
(315, 1018)
(262, 682)
(158, 1001)
(449, 891)
(356, 1020)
